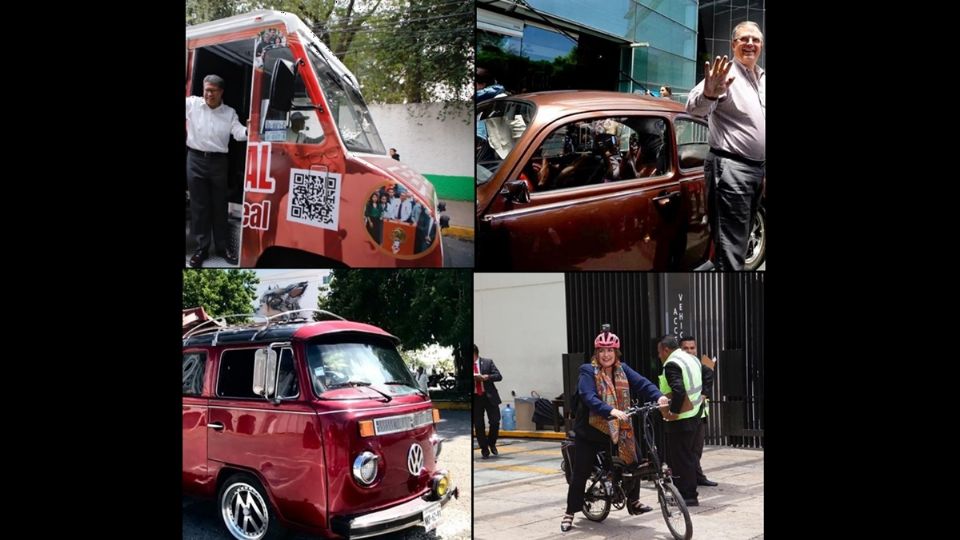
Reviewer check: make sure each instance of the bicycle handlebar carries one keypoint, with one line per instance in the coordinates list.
(646, 407)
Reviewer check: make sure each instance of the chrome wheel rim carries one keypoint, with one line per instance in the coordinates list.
(245, 512)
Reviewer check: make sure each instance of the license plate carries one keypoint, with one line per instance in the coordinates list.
(431, 516)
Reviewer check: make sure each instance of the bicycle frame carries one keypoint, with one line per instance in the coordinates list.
(612, 479)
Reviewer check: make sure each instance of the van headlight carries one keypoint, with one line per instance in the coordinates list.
(441, 484)
(365, 468)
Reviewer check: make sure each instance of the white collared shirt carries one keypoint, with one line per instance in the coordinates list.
(209, 130)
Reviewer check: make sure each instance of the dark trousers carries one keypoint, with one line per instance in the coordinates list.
(481, 404)
(584, 458)
(733, 195)
(682, 457)
(698, 446)
(207, 182)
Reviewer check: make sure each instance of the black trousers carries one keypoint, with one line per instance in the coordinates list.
(482, 404)
(698, 445)
(682, 457)
(584, 458)
(207, 182)
(733, 195)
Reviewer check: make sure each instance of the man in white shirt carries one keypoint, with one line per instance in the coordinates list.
(406, 206)
(393, 204)
(210, 123)
(733, 96)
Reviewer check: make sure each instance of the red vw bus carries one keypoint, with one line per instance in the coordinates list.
(317, 187)
(290, 423)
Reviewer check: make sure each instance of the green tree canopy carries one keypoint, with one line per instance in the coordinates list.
(402, 51)
(220, 292)
(418, 306)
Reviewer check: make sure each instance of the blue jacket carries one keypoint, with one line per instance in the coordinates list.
(640, 388)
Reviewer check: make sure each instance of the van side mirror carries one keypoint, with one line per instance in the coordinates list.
(281, 85)
(516, 191)
(265, 369)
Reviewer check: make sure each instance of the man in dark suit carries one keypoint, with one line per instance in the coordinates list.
(486, 398)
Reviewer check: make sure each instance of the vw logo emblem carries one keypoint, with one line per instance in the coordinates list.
(415, 459)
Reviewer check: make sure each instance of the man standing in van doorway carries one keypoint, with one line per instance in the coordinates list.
(210, 123)
(486, 398)
(733, 98)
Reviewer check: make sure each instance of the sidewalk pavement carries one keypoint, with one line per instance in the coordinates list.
(461, 214)
(522, 494)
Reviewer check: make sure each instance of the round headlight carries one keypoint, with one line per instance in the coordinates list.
(442, 486)
(365, 468)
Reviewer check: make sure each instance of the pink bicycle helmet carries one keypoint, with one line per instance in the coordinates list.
(607, 340)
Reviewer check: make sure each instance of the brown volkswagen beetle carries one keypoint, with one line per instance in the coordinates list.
(590, 180)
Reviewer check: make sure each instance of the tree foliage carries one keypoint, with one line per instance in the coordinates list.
(402, 51)
(418, 306)
(220, 292)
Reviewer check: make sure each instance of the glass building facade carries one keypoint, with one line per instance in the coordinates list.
(625, 45)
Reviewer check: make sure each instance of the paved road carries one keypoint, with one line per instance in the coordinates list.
(522, 495)
(457, 252)
(201, 520)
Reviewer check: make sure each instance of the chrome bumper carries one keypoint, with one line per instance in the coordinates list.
(395, 518)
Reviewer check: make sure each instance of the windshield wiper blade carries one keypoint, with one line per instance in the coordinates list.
(349, 383)
(414, 386)
(364, 384)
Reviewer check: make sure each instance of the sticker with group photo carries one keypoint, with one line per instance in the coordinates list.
(398, 223)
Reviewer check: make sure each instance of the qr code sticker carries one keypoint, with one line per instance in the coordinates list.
(314, 198)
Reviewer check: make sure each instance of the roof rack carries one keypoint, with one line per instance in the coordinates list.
(220, 323)
(285, 318)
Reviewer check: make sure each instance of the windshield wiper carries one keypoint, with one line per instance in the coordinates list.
(414, 386)
(361, 383)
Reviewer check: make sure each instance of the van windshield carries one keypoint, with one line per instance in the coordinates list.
(348, 110)
(337, 365)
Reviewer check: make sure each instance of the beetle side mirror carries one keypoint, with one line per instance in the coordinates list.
(516, 191)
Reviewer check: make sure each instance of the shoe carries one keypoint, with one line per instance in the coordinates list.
(692, 502)
(485, 454)
(705, 482)
(229, 256)
(198, 257)
(493, 450)
(636, 508)
(566, 523)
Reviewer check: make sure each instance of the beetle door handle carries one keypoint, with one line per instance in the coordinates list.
(666, 198)
(216, 425)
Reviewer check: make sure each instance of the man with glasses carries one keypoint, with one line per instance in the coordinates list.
(210, 123)
(732, 97)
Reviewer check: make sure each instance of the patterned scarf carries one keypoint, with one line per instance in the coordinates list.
(615, 393)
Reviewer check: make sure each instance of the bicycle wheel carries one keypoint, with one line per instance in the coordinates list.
(596, 502)
(675, 511)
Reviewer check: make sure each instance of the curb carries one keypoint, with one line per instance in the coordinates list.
(459, 232)
(554, 435)
(452, 405)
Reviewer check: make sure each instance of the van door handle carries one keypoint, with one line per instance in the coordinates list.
(216, 425)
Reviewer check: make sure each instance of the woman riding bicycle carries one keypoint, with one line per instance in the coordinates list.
(606, 387)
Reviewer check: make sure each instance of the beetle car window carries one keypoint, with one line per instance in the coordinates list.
(499, 125)
(692, 144)
(599, 150)
(193, 369)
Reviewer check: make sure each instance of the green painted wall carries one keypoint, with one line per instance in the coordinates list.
(458, 188)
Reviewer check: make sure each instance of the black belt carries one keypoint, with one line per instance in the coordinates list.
(737, 157)
(206, 154)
